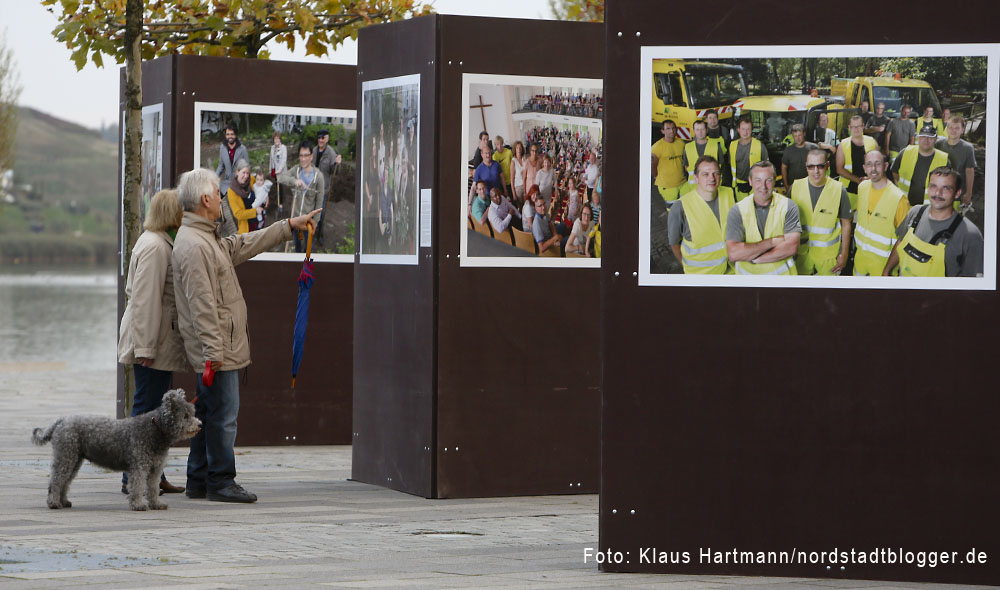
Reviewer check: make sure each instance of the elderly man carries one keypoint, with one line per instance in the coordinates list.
(912, 167)
(961, 153)
(851, 158)
(762, 233)
(935, 240)
(696, 226)
(825, 213)
(881, 209)
(793, 161)
(212, 318)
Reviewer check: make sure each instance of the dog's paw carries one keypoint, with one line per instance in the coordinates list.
(139, 507)
(67, 504)
(54, 505)
(158, 506)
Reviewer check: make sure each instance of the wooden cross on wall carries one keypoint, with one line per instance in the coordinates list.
(483, 111)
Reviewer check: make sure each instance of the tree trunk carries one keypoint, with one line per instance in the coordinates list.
(132, 152)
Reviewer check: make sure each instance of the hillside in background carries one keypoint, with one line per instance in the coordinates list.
(62, 204)
(65, 162)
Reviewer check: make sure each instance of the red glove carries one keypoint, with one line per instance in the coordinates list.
(208, 375)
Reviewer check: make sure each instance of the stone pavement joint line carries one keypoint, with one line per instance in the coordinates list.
(311, 527)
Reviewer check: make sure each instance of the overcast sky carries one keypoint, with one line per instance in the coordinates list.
(90, 97)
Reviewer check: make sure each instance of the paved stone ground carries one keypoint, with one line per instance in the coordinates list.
(311, 528)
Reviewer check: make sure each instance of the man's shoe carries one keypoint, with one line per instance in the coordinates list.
(232, 493)
(168, 488)
(195, 494)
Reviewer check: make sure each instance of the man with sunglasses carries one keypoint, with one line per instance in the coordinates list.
(825, 213)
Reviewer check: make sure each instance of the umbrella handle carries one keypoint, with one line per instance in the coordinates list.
(309, 243)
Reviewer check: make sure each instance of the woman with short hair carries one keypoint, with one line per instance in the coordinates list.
(148, 338)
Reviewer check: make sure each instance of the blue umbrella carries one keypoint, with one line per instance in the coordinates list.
(306, 278)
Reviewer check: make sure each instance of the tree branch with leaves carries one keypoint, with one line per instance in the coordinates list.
(10, 92)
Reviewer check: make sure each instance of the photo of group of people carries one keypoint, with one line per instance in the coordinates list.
(390, 119)
(152, 155)
(532, 182)
(279, 162)
(818, 166)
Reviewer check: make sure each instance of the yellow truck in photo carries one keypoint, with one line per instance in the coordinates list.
(894, 91)
(684, 90)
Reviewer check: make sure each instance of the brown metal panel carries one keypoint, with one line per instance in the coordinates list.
(157, 86)
(318, 410)
(394, 345)
(522, 412)
(781, 419)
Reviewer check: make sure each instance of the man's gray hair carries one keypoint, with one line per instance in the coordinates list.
(195, 183)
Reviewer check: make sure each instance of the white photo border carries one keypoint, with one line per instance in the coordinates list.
(985, 283)
(153, 108)
(200, 107)
(510, 261)
(411, 259)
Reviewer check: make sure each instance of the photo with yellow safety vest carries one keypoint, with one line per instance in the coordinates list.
(852, 168)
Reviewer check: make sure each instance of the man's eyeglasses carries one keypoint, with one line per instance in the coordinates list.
(815, 166)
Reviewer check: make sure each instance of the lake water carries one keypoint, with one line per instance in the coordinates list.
(65, 316)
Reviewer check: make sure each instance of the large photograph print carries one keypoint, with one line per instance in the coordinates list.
(531, 161)
(390, 116)
(818, 166)
(276, 162)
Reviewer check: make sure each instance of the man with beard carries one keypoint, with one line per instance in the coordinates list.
(935, 240)
(231, 150)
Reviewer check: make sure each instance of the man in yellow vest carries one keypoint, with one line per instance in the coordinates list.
(881, 209)
(929, 118)
(700, 146)
(851, 158)
(935, 240)
(762, 233)
(696, 226)
(825, 213)
(912, 167)
(668, 164)
(744, 153)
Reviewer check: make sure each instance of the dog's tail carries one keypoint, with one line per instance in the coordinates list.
(40, 438)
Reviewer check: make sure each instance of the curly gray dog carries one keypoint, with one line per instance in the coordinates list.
(138, 445)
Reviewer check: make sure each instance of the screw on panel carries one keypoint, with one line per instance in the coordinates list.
(460, 63)
(449, 62)
(633, 511)
(616, 273)
(619, 33)
(637, 33)
(635, 274)
(614, 511)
